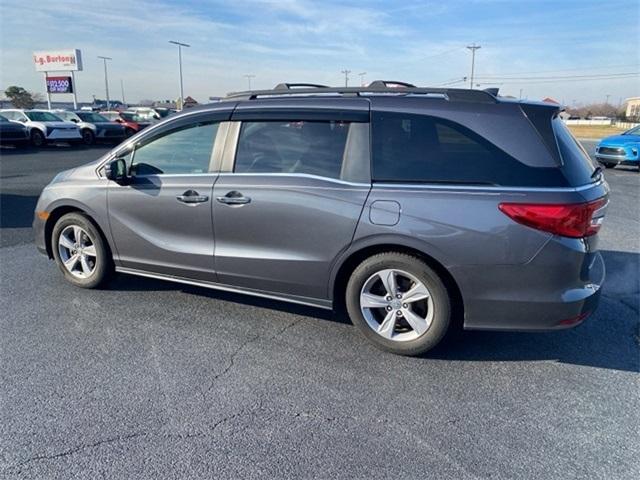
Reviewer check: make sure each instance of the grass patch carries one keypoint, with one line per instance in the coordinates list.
(594, 131)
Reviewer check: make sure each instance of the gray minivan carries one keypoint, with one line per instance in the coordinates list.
(412, 207)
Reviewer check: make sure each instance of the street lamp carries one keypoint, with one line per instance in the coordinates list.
(106, 78)
(473, 49)
(180, 45)
(249, 76)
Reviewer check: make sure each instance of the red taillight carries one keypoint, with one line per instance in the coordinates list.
(574, 220)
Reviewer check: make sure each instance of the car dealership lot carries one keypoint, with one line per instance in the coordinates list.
(156, 380)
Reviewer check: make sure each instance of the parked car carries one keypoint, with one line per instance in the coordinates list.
(12, 133)
(142, 121)
(44, 126)
(130, 127)
(620, 149)
(93, 126)
(147, 114)
(404, 204)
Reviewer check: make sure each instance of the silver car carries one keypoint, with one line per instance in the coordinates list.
(419, 210)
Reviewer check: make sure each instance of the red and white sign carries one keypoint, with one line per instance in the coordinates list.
(60, 60)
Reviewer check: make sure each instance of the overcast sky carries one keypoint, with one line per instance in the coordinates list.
(528, 45)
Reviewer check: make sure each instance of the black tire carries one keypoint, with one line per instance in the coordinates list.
(37, 138)
(88, 137)
(103, 263)
(421, 271)
(609, 165)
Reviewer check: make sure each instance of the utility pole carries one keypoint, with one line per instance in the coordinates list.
(180, 45)
(606, 102)
(362, 74)
(520, 94)
(249, 76)
(473, 49)
(106, 79)
(346, 76)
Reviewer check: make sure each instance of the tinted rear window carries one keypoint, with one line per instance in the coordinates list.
(577, 165)
(422, 148)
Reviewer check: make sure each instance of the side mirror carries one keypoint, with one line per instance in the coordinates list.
(116, 170)
(74, 120)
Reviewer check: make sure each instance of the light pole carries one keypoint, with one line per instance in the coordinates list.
(473, 49)
(249, 76)
(346, 76)
(180, 45)
(362, 74)
(606, 102)
(122, 90)
(106, 78)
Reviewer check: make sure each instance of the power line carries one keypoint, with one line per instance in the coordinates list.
(558, 77)
(590, 79)
(603, 67)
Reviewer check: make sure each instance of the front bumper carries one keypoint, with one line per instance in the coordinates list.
(39, 233)
(59, 134)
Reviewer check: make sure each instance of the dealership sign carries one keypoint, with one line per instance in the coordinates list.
(59, 60)
(59, 85)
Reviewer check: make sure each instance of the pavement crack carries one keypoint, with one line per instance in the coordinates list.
(230, 364)
(286, 327)
(78, 448)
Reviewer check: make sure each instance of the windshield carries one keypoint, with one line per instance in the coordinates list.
(91, 117)
(633, 131)
(3, 119)
(42, 117)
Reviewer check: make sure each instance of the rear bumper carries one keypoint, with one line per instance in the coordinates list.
(558, 289)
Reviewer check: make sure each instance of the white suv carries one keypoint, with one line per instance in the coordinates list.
(44, 126)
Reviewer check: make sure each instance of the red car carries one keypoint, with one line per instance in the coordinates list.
(130, 126)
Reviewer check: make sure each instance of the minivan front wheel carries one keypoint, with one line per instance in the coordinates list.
(399, 303)
(80, 251)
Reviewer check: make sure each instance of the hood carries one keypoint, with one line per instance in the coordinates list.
(620, 140)
(11, 126)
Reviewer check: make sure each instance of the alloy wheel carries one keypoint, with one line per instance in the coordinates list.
(396, 305)
(77, 251)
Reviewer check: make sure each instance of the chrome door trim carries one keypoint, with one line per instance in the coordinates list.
(311, 302)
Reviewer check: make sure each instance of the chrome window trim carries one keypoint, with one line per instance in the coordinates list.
(296, 175)
(491, 188)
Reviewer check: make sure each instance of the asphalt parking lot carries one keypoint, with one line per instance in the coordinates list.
(148, 379)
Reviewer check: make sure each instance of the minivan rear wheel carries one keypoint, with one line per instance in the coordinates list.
(399, 303)
(80, 251)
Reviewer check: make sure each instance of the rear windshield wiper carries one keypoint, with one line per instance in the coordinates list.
(597, 172)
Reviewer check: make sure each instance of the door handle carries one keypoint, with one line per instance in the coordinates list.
(234, 198)
(191, 196)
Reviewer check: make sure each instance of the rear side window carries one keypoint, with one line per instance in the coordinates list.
(310, 147)
(577, 166)
(422, 148)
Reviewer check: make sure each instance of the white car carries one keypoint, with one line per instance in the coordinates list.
(44, 126)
